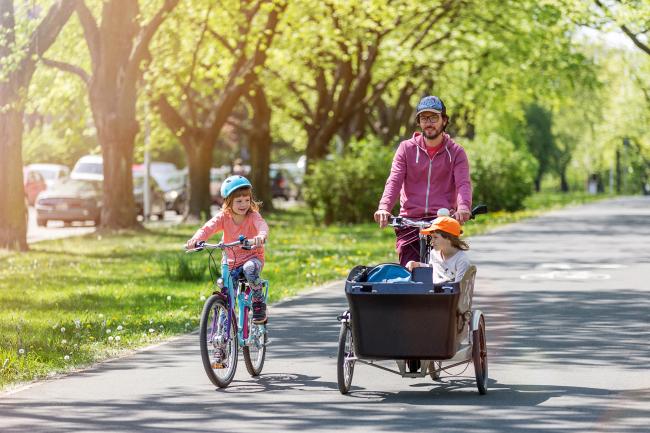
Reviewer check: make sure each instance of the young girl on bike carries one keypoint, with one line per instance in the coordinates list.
(240, 216)
(447, 258)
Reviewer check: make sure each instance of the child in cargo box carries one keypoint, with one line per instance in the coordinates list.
(447, 258)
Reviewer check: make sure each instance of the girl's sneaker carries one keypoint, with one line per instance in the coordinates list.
(219, 359)
(259, 309)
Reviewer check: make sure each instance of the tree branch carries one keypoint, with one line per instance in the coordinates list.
(141, 47)
(67, 67)
(90, 29)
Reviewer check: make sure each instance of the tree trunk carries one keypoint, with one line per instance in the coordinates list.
(13, 94)
(199, 161)
(13, 224)
(564, 185)
(260, 145)
(117, 136)
(119, 48)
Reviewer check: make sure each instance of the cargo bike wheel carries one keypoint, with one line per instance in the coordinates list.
(345, 359)
(479, 356)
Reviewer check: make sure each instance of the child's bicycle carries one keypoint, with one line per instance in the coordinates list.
(227, 322)
(397, 315)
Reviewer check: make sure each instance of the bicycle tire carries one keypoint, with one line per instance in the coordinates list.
(345, 370)
(254, 356)
(220, 377)
(479, 357)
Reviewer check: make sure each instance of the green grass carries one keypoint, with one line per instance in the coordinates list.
(70, 302)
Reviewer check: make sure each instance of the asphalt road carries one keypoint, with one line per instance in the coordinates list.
(566, 298)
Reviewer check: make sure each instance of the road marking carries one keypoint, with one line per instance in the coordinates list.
(571, 271)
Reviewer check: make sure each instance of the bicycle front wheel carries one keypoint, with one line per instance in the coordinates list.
(218, 342)
(255, 351)
(344, 365)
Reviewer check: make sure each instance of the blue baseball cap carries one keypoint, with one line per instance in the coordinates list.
(432, 104)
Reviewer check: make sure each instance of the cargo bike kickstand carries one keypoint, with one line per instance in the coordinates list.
(227, 322)
(397, 315)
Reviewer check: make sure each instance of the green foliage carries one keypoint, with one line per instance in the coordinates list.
(502, 175)
(347, 188)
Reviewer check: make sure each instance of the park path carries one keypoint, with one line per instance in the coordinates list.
(566, 296)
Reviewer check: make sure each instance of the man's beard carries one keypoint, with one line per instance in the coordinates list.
(435, 134)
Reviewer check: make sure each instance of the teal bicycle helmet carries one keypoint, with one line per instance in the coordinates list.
(233, 183)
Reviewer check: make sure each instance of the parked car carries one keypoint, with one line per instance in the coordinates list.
(279, 184)
(157, 199)
(70, 200)
(172, 182)
(175, 189)
(34, 184)
(89, 167)
(218, 175)
(52, 173)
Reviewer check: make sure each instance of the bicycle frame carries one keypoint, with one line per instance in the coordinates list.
(240, 308)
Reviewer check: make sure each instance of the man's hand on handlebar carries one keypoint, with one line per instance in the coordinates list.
(462, 215)
(381, 216)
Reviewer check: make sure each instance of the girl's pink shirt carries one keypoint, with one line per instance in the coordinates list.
(252, 226)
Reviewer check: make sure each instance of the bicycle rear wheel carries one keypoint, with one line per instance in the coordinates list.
(255, 352)
(213, 338)
(479, 356)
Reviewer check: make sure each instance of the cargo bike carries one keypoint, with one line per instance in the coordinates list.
(425, 328)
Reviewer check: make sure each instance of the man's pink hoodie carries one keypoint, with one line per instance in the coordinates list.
(427, 184)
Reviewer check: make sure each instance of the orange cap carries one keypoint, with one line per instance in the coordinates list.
(445, 224)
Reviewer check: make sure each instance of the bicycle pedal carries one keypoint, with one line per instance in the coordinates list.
(218, 365)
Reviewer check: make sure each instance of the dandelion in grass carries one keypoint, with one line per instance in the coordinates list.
(64, 341)
(110, 338)
(150, 321)
(151, 330)
(169, 298)
(118, 338)
(77, 323)
(21, 351)
(101, 315)
(62, 329)
(120, 327)
(202, 298)
(66, 358)
(108, 331)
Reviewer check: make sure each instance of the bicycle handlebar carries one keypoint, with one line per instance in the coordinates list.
(399, 221)
(241, 242)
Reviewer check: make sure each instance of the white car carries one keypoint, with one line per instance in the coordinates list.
(52, 173)
(89, 167)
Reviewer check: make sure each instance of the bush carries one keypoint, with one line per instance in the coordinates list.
(347, 188)
(502, 175)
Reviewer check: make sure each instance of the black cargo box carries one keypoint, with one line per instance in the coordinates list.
(405, 320)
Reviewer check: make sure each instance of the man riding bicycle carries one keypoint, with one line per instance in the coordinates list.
(429, 171)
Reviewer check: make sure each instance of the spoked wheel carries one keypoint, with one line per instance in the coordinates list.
(218, 345)
(434, 369)
(345, 366)
(255, 352)
(479, 356)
